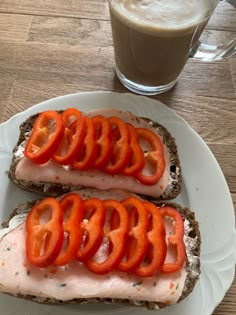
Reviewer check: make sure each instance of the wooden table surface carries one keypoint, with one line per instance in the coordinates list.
(54, 47)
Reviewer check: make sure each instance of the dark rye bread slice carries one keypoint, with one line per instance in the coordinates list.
(56, 189)
(192, 241)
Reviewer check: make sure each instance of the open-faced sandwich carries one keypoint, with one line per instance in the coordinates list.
(105, 233)
(102, 246)
(104, 149)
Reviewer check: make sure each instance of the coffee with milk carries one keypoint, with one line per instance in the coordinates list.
(153, 38)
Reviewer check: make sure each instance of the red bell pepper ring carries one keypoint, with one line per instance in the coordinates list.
(88, 153)
(120, 146)
(92, 229)
(73, 138)
(116, 238)
(48, 129)
(176, 240)
(155, 157)
(137, 242)
(137, 160)
(103, 138)
(73, 210)
(44, 239)
(157, 243)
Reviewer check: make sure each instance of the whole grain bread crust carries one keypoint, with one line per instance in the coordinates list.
(56, 189)
(192, 240)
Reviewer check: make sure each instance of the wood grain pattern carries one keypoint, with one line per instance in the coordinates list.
(212, 80)
(26, 58)
(14, 28)
(92, 9)
(6, 83)
(72, 31)
(204, 114)
(223, 18)
(233, 71)
(48, 59)
(234, 200)
(55, 47)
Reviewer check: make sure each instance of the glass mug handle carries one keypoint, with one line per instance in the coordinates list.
(206, 52)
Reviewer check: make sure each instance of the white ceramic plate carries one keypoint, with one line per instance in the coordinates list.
(204, 190)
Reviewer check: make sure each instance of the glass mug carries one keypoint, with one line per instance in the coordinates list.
(153, 40)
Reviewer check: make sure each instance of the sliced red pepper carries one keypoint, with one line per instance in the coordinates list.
(73, 138)
(73, 210)
(157, 243)
(44, 239)
(48, 129)
(137, 242)
(88, 153)
(103, 139)
(137, 160)
(176, 240)
(116, 238)
(120, 146)
(154, 158)
(92, 229)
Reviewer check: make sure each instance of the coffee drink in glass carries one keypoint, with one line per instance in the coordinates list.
(153, 40)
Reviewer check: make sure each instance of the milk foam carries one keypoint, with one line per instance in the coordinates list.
(160, 15)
